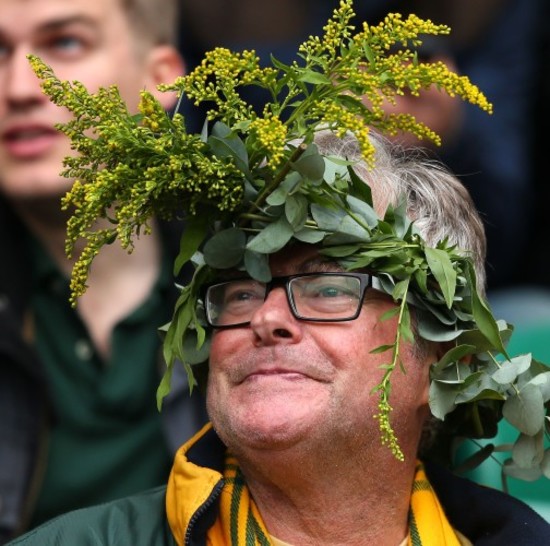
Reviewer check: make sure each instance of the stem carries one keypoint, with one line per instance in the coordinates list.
(273, 184)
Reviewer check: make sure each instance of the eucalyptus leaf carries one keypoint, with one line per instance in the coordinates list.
(528, 451)
(310, 236)
(525, 474)
(542, 382)
(441, 399)
(257, 265)
(545, 465)
(272, 238)
(280, 194)
(430, 328)
(454, 355)
(225, 249)
(327, 219)
(296, 210)
(310, 164)
(510, 369)
(364, 210)
(335, 168)
(349, 230)
(225, 143)
(525, 410)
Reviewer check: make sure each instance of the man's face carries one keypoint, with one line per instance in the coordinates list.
(83, 40)
(281, 382)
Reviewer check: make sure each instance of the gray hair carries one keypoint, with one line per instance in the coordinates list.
(437, 202)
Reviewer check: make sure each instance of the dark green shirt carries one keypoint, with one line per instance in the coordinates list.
(107, 439)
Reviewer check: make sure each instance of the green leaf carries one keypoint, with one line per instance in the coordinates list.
(483, 317)
(280, 194)
(442, 269)
(525, 410)
(310, 236)
(364, 210)
(310, 164)
(528, 451)
(257, 265)
(349, 231)
(390, 313)
(296, 210)
(194, 352)
(441, 399)
(525, 474)
(360, 189)
(382, 349)
(430, 328)
(405, 325)
(510, 369)
(163, 389)
(225, 249)
(400, 290)
(454, 355)
(272, 238)
(193, 235)
(545, 465)
(225, 143)
(335, 168)
(542, 382)
(309, 76)
(328, 219)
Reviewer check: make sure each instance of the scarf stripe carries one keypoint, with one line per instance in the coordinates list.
(240, 523)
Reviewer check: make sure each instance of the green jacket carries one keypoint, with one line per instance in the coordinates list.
(486, 516)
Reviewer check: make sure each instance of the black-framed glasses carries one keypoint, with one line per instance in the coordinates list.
(316, 297)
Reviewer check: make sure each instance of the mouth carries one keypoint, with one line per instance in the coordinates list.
(28, 142)
(281, 374)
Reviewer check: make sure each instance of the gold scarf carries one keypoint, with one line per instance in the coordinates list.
(239, 522)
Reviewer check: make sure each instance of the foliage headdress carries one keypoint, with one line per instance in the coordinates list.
(251, 182)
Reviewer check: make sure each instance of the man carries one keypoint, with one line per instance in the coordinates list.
(294, 455)
(336, 305)
(79, 421)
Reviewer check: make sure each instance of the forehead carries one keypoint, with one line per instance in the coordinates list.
(300, 258)
(23, 18)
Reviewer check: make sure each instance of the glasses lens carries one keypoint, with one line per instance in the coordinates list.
(233, 302)
(326, 297)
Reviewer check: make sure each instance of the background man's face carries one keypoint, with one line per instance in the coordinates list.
(83, 40)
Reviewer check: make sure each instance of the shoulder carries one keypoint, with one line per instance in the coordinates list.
(485, 515)
(139, 520)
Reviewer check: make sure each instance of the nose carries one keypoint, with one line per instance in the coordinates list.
(274, 322)
(21, 85)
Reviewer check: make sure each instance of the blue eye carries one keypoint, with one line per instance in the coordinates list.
(68, 42)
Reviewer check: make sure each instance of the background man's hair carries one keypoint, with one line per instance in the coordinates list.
(153, 21)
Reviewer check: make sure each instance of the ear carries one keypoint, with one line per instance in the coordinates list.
(164, 65)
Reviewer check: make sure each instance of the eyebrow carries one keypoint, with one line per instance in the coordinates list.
(59, 23)
(318, 264)
(56, 24)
